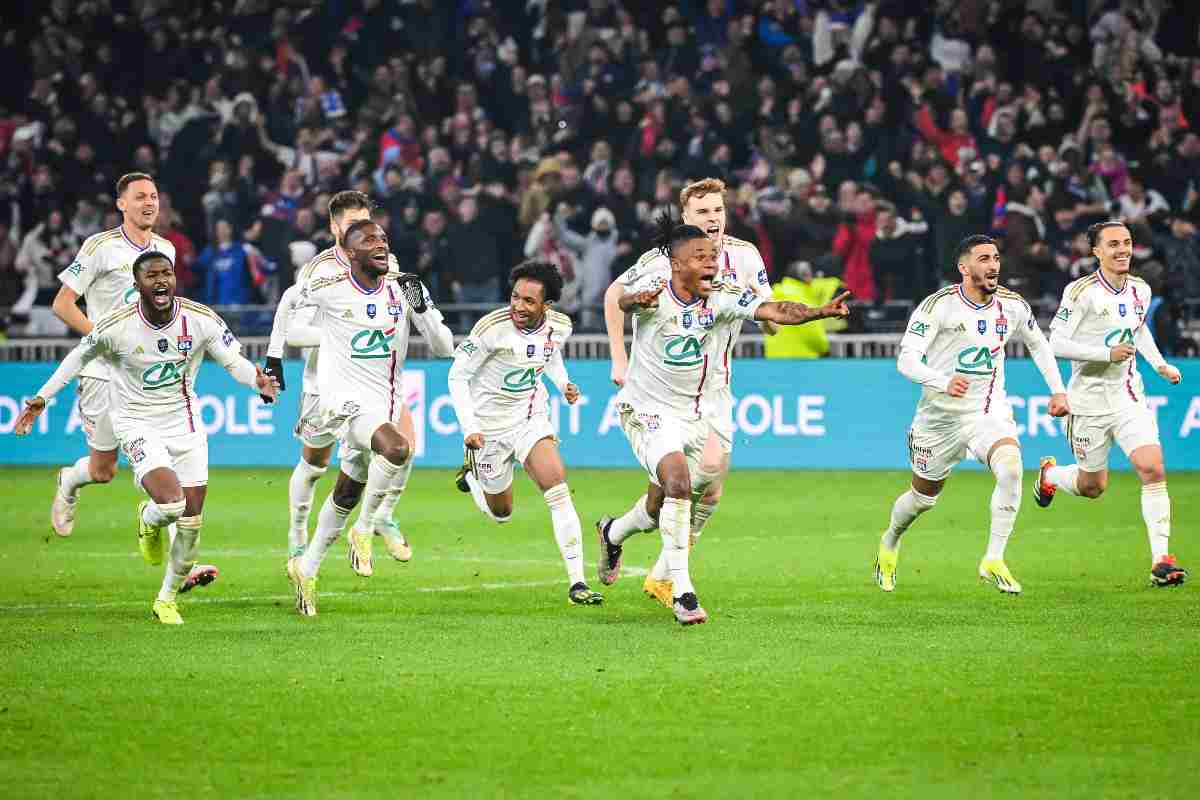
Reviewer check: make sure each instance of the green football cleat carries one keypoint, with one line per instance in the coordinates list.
(995, 571)
(150, 539)
(885, 568)
(166, 612)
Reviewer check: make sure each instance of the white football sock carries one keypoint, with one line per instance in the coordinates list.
(387, 505)
(481, 501)
(1065, 478)
(331, 521)
(1156, 511)
(1006, 498)
(158, 515)
(661, 571)
(701, 512)
(905, 511)
(76, 476)
(566, 530)
(301, 488)
(381, 474)
(633, 521)
(674, 525)
(182, 557)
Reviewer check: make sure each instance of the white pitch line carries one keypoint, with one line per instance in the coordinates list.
(490, 587)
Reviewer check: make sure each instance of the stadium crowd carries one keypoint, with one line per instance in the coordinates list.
(863, 140)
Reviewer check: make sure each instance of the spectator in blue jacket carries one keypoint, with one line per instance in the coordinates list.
(226, 269)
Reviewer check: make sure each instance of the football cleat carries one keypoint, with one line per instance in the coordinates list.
(150, 539)
(608, 566)
(166, 612)
(397, 544)
(358, 546)
(200, 575)
(1167, 573)
(460, 479)
(62, 510)
(1043, 492)
(885, 568)
(659, 591)
(995, 571)
(306, 589)
(688, 610)
(580, 595)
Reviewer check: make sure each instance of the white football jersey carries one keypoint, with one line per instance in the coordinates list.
(359, 330)
(102, 274)
(677, 346)
(1093, 312)
(153, 368)
(500, 368)
(741, 265)
(958, 337)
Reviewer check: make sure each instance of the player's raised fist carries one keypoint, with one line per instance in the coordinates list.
(474, 441)
(33, 409)
(958, 386)
(1170, 373)
(268, 385)
(1059, 407)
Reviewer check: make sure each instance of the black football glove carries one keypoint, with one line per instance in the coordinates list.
(274, 368)
(414, 292)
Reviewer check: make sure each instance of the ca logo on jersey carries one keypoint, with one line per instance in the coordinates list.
(372, 344)
(520, 380)
(162, 375)
(683, 351)
(1119, 336)
(130, 295)
(976, 361)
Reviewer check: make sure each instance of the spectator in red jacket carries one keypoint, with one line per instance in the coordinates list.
(853, 244)
(952, 144)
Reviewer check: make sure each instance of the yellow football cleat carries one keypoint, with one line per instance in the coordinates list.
(995, 571)
(397, 545)
(306, 589)
(659, 591)
(166, 612)
(885, 568)
(150, 539)
(358, 547)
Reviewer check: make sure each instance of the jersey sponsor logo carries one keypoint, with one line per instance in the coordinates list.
(75, 269)
(1063, 313)
(162, 375)
(919, 328)
(163, 344)
(130, 295)
(138, 350)
(1119, 336)
(347, 314)
(747, 298)
(372, 344)
(683, 351)
(762, 277)
(976, 361)
(520, 380)
(468, 348)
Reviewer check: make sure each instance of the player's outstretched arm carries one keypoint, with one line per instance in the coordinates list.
(1043, 356)
(1149, 350)
(431, 324)
(785, 312)
(614, 325)
(79, 357)
(637, 301)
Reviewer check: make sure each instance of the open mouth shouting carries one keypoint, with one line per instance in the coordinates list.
(161, 296)
(706, 280)
(379, 258)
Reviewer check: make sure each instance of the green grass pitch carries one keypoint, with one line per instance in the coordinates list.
(466, 673)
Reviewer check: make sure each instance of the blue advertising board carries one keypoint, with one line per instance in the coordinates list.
(828, 414)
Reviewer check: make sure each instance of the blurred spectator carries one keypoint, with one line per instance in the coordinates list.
(474, 267)
(853, 244)
(1138, 205)
(168, 227)
(46, 251)
(799, 285)
(1181, 250)
(596, 253)
(893, 253)
(226, 269)
(1026, 256)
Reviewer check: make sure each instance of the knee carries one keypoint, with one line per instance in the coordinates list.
(346, 496)
(1006, 466)
(396, 451)
(318, 459)
(677, 486)
(1093, 488)
(501, 509)
(1155, 473)
(103, 472)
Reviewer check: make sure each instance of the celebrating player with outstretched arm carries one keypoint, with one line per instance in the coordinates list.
(154, 348)
(1101, 327)
(954, 348)
(359, 381)
(302, 329)
(681, 325)
(739, 265)
(503, 410)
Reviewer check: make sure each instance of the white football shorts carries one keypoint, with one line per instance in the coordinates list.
(1091, 437)
(936, 445)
